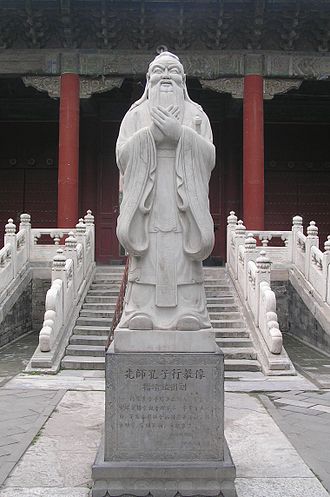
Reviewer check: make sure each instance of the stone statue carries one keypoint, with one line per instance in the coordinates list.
(165, 154)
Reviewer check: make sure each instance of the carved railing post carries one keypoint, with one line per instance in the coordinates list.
(297, 225)
(231, 225)
(81, 238)
(326, 264)
(71, 253)
(250, 245)
(312, 239)
(25, 224)
(89, 222)
(263, 264)
(10, 237)
(89, 218)
(239, 238)
(58, 268)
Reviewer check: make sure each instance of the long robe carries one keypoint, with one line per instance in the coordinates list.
(164, 223)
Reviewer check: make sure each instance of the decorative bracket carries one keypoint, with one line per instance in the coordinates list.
(88, 86)
(235, 86)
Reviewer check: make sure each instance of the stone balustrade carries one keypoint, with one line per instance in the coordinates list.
(250, 270)
(14, 255)
(71, 273)
(299, 251)
(72, 265)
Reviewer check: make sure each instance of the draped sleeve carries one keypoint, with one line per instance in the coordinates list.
(136, 159)
(194, 162)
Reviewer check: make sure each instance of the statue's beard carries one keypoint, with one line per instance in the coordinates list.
(166, 95)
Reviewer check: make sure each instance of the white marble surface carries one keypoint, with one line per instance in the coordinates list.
(165, 153)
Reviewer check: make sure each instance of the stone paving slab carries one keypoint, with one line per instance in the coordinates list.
(279, 487)
(62, 381)
(45, 492)
(308, 428)
(310, 362)
(58, 463)
(15, 356)
(94, 381)
(22, 415)
(63, 455)
(258, 447)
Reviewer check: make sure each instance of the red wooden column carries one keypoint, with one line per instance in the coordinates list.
(253, 152)
(68, 167)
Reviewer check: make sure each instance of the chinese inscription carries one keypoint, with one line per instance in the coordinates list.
(176, 407)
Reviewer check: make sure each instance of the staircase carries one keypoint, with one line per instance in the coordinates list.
(229, 326)
(86, 348)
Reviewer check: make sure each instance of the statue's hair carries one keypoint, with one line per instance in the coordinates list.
(166, 54)
(144, 96)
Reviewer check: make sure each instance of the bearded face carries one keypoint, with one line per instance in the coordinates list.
(166, 80)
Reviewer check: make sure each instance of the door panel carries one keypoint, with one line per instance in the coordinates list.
(107, 245)
(41, 196)
(11, 197)
(216, 200)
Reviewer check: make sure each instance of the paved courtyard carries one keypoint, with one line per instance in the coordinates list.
(277, 428)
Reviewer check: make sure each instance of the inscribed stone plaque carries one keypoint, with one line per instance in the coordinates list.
(164, 406)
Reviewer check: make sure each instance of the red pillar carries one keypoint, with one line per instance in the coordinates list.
(68, 166)
(253, 153)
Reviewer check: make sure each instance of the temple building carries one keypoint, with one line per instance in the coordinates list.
(70, 69)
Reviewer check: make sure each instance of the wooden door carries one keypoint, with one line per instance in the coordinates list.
(108, 249)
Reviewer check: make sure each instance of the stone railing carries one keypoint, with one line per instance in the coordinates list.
(71, 263)
(70, 273)
(250, 269)
(249, 266)
(15, 254)
(298, 251)
(313, 264)
(72, 270)
(24, 246)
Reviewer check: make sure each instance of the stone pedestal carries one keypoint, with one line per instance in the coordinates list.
(164, 420)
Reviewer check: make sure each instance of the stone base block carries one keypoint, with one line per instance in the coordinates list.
(164, 341)
(164, 426)
(163, 479)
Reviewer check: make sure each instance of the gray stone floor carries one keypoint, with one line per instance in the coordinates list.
(310, 362)
(22, 414)
(278, 428)
(304, 415)
(15, 356)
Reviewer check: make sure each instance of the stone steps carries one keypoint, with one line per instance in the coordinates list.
(85, 350)
(97, 313)
(105, 292)
(90, 362)
(231, 333)
(82, 362)
(92, 320)
(106, 299)
(88, 340)
(91, 330)
(108, 285)
(99, 306)
(226, 323)
(87, 343)
(233, 342)
(86, 347)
